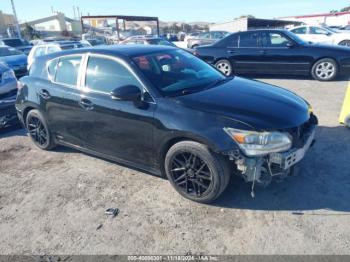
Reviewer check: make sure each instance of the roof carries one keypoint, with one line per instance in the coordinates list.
(318, 15)
(117, 50)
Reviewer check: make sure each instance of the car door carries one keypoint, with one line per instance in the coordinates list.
(282, 55)
(64, 115)
(244, 52)
(121, 129)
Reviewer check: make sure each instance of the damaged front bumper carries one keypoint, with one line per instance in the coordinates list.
(261, 169)
(8, 113)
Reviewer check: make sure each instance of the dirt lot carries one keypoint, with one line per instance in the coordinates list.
(53, 202)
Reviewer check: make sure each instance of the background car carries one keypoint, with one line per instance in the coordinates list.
(93, 42)
(18, 43)
(147, 40)
(206, 38)
(276, 52)
(15, 59)
(8, 93)
(51, 47)
(191, 35)
(324, 35)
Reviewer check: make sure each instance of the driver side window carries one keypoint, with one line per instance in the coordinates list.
(276, 40)
(105, 74)
(318, 31)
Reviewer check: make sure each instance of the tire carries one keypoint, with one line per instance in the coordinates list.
(186, 161)
(345, 43)
(38, 130)
(224, 66)
(325, 70)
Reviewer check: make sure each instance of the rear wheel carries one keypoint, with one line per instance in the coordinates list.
(224, 66)
(38, 130)
(195, 172)
(345, 43)
(325, 70)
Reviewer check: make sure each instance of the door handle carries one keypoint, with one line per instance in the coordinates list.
(263, 52)
(231, 51)
(86, 104)
(44, 94)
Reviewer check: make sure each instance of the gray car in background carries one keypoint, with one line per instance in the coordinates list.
(206, 38)
(15, 59)
(8, 93)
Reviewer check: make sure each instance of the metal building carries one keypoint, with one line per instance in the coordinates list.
(247, 23)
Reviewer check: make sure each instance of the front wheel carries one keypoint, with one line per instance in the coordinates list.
(325, 70)
(345, 43)
(224, 66)
(195, 172)
(38, 130)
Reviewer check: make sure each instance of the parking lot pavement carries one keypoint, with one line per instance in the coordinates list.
(53, 202)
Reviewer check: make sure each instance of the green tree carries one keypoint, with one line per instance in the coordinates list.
(345, 9)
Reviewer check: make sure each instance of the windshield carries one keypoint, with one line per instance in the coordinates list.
(5, 51)
(177, 72)
(330, 29)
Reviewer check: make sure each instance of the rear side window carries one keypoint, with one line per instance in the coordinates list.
(104, 75)
(40, 51)
(51, 68)
(67, 70)
(299, 31)
(52, 49)
(248, 40)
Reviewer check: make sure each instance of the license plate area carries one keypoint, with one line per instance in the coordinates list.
(288, 159)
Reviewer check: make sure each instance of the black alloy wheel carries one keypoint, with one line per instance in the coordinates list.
(38, 130)
(191, 174)
(196, 172)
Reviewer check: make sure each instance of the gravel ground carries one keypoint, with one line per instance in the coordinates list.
(53, 202)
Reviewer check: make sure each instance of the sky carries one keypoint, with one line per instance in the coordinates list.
(174, 10)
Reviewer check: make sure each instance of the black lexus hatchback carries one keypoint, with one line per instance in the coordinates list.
(165, 111)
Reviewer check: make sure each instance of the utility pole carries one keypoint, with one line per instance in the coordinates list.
(16, 20)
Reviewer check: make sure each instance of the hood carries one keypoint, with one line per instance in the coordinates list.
(260, 105)
(329, 46)
(14, 60)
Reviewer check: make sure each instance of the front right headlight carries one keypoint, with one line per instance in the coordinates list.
(9, 74)
(260, 143)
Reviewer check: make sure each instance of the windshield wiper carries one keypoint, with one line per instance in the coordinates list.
(218, 82)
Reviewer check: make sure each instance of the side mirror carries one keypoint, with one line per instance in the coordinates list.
(126, 93)
(290, 45)
(329, 34)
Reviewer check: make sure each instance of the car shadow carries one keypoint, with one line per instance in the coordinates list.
(323, 181)
(69, 150)
(15, 130)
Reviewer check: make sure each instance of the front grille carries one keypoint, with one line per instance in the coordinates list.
(9, 110)
(299, 133)
(8, 94)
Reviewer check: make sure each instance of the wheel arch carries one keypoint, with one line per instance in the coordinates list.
(176, 139)
(325, 57)
(26, 111)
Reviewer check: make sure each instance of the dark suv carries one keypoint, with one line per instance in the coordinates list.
(165, 111)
